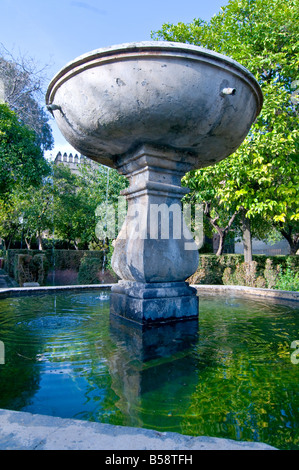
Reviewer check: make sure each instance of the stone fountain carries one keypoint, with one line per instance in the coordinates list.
(154, 111)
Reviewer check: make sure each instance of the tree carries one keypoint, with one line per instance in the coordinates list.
(71, 212)
(261, 178)
(21, 87)
(10, 221)
(21, 158)
(76, 199)
(65, 205)
(37, 213)
(203, 185)
(24, 135)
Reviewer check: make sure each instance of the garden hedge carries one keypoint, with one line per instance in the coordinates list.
(230, 269)
(61, 260)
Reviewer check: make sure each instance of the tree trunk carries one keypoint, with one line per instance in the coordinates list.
(293, 240)
(40, 242)
(221, 231)
(247, 240)
(221, 243)
(8, 242)
(294, 248)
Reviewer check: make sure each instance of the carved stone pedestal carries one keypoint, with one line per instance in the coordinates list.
(154, 302)
(154, 252)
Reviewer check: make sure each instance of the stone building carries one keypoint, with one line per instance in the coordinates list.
(74, 162)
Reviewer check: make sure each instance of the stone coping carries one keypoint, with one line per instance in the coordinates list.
(204, 288)
(25, 431)
(242, 291)
(11, 291)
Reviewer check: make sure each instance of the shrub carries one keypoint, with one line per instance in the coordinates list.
(39, 267)
(287, 279)
(229, 269)
(89, 271)
(209, 271)
(71, 259)
(60, 260)
(28, 268)
(228, 277)
(271, 274)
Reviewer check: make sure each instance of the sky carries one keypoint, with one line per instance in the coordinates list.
(55, 32)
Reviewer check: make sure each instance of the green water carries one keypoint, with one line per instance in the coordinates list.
(231, 375)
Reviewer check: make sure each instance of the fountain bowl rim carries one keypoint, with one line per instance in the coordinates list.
(116, 52)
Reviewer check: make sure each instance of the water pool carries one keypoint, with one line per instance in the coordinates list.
(229, 375)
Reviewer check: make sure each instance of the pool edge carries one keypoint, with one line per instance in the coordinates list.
(204, 288)
(248, 292)
(26, 431)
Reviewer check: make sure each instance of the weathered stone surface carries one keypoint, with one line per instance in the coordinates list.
(274, 295)
(154, 302)
(151, 246)
(111, 100)
(26, 431)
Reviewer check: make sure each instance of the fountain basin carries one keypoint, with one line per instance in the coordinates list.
(228, 375)
(110, 101)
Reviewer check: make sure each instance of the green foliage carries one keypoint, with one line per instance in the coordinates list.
(288, 279)
(262, 176)
(59, 260)
(71, 259)
(245, 274)
(77, 198)
(36, 212)
(21, 159)
(71, 211)
(211, 267)
(23, 82)
(264, 272)
(271, 274)
(89, 271)
(29, 268)
(66, 205)
(109, 257)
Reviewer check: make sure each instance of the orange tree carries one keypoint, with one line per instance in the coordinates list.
(261, 179)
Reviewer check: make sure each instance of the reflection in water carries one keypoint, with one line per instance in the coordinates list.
(152, 342)
(146, 360)
(229, 375)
